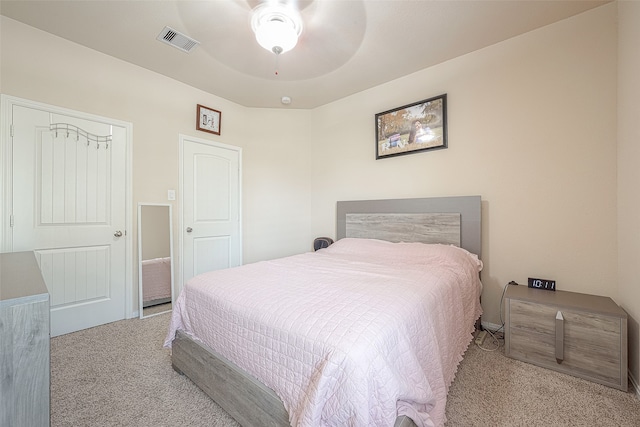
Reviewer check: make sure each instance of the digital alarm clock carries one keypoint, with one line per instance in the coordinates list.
(549, 285)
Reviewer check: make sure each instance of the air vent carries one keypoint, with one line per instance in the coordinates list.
(178, 40)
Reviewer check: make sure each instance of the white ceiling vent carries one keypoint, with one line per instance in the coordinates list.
(178, 40)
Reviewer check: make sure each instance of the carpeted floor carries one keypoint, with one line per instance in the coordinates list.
(119, 375)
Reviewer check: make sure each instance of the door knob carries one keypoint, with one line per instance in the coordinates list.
(189, 229)
(118, 233)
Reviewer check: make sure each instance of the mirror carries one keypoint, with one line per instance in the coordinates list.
(155, 259)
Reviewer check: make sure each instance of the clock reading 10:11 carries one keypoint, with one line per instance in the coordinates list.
(549, 285)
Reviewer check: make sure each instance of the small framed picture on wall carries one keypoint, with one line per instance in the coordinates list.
(208, 119)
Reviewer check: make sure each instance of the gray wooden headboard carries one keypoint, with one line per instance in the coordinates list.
(448, 220)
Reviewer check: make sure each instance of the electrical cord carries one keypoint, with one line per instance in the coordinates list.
(496, 340)
(504, 290)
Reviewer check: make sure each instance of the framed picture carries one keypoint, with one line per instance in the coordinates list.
(208, 119)
(416, 127)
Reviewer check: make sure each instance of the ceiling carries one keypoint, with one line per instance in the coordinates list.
(346, 46)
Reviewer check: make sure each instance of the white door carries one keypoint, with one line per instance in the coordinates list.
(211, 236)
(69, 207)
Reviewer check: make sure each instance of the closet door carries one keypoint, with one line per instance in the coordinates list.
(69, 202)
(210, 175)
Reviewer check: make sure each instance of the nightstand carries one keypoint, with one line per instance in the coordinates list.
(577, 334)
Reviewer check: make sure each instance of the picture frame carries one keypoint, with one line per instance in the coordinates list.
(208, 119)
(417, 127)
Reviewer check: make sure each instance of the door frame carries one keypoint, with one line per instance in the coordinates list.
(182, 139)
(7, 103)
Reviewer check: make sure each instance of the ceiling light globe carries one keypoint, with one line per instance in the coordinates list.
(277, 26)
(275, 34)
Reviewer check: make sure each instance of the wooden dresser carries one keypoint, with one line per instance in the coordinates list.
(577, 334)
(24, 342)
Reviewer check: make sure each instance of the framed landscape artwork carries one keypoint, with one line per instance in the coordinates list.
(413, 128)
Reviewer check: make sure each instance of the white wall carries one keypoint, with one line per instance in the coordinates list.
(276, 184)
(629, 174)
(39, 66)
(532, 129)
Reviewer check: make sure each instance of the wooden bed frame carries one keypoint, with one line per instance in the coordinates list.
(450, 220)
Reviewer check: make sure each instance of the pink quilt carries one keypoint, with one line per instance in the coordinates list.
(352, 335)
(156, 276)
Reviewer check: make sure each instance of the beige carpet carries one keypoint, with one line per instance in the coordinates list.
(119, 375)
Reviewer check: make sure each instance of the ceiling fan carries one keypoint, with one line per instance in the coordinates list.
(276, 25)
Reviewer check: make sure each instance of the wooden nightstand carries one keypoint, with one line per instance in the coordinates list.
(577, 334)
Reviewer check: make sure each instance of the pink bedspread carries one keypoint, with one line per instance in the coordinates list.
(352, 335)
(156, 276)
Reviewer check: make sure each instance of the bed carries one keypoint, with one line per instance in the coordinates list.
(348, 335)
(156, 276)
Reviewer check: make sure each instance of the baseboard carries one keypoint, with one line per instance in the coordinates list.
(491, 326)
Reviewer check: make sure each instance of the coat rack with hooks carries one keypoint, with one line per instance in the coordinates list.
(71, 129)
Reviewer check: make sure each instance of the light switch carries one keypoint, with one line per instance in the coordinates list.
(171, 194)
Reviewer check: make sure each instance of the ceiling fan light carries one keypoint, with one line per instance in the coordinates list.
(275, 34)
(276, 26)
